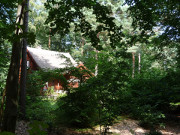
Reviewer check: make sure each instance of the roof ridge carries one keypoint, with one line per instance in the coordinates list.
(45, 50)
(51, 59)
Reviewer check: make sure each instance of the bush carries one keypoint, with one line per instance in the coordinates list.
(6, 133)
(151, 95)
(78, 109)
(37, 128)
(50, 91)
(149, 118)
(36, 80)
(41, 109)
(95, 102)
(148, 96)
(35, 83)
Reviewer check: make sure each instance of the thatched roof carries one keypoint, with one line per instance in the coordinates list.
(47, 59)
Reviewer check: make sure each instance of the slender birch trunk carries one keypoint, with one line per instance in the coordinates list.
(10, 113)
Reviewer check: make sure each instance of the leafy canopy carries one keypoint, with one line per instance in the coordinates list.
(64, 13)
(162, 13)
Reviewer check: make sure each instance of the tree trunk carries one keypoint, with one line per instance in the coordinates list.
(139, 62)
(10, 114)
(133, 64)
(22, 94)
(2, 107)
(49, 44)
(96, 66)
(82, 46)
(96, 57)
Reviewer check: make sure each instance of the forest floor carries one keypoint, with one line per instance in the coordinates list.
(124, 127)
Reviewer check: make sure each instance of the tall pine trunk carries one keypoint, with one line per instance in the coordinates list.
(22, 94)
(10, 113)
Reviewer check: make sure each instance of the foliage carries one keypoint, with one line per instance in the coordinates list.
(34, 84)
(146, 97)
(147, 116)
(108, 26)
(41, 109)
(7, 17)
(72, 109)
(38, 127)
(6, 30)
(164, 14)
(37, 17)
(78, 109)
(71, 12)
(50, 91)
(37, 80)
(97, 100)
(151, 94)
(6, 133)
(4, 63)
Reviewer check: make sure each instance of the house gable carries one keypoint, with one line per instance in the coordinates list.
(46, 59)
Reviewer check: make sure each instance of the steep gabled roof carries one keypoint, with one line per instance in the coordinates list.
(47, 59)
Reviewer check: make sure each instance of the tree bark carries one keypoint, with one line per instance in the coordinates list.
(22, 94)
(96, 66)
(96, 57)
(49, 44)
(139, 62)
(133, 64)
(2, 107)
(10, 114)
(82, 46)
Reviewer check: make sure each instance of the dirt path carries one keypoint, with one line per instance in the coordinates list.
(124, 127)
(131, 127)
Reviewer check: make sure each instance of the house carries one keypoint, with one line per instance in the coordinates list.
(38, 58)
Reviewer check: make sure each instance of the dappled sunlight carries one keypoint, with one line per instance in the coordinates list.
(128, 127)
(81, 67)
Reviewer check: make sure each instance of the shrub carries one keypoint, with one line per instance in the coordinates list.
(94, 102)
(41, 109)
(34, 83)
(78, 109)
(152, 92)
(37, 79)
(6, 133)
(37, 128)
(50, 91)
